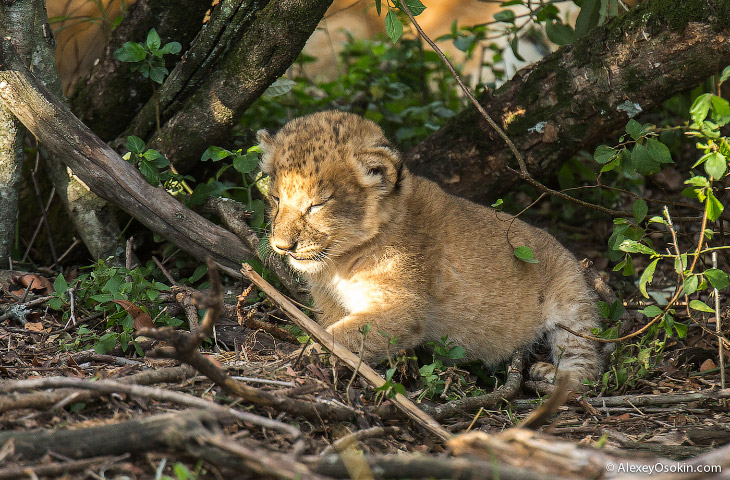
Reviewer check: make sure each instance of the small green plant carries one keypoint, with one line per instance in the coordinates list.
(148, 58)
(441, 379)
(390, 388)
(96, 292)
(180, 470)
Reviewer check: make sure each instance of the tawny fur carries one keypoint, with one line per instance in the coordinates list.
(379, 245)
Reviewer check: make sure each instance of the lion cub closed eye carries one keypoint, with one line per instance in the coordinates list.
(379, 245)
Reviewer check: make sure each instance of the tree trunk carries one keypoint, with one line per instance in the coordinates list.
(274, 34)
(111, 95)
(577, 96)
(17, 22)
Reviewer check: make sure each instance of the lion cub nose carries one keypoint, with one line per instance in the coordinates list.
(284, 246)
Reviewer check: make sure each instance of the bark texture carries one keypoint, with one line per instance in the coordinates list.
(112, 94)
(273, 36)
(578, 95)
(17, 22)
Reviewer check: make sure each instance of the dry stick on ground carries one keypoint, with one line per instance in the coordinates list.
(247, 319)
(357, 436)
(184, 347)
(41, 400)
(58, 470)
(546, 455)
(170, 430)
(340, 351)
(506, 392)
(110, 386)
(411, 465)
(261, 461)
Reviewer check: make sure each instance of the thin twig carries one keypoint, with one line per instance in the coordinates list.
(465, 89)
(718, 327)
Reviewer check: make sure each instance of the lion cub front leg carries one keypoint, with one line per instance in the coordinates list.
(395, 323)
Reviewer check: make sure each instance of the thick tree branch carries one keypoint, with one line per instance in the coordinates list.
(577, 96)
(275, 33)
(101, 168)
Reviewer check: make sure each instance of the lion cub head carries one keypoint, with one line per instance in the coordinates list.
(335, 182)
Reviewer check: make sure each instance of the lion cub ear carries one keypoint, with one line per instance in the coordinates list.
(380, 167)
(265, 142)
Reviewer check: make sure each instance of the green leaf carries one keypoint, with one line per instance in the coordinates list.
(559, 33)
(525, 254)
(634, 129)
(498, 204)
(172, 48)
(215, 154)
(588, 18)
(258, 207)
(646, 277)
(720, 106)
(714, 207)
(651, 311)
(153, 40)
(131, 52)
(246, 163)
(507, 16)
(106, 343)
(60, 285)
(700, 107)
(135, 144)
(279, 87)
(680, 263)
(158, 74)
(701, 306)
(415, 6)
(55, 303)
(393, 27)
(640, 209)
(604, 154)
(716, 165)
(377, 6)
(457, 353)
(150, 173)
(604, 309)
(632, 246)
(725, 75)
(611, 165)
(690, 284)
(658, 151)
(717, 278)
(681, 329)
(642, 162)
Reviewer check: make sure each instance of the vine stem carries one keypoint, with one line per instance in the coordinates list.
(467, 92)
(677, 294)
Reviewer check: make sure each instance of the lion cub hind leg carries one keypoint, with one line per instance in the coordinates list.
(573, 358)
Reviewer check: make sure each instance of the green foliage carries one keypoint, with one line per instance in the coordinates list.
(404, 88)
(440, 374)
(147, 58)
(150, 164)
(95, 292)
(180, 471)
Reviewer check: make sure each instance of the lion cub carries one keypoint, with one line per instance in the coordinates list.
(379, 245)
